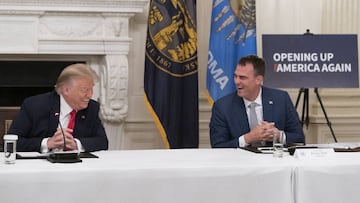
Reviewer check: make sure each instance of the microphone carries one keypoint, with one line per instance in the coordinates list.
(61, 128)
(63, 157)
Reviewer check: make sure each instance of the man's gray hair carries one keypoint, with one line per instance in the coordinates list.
(73, 71)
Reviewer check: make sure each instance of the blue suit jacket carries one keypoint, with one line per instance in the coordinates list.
(229, 120)
(38, 118)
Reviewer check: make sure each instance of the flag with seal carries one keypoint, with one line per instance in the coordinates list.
(171, 71)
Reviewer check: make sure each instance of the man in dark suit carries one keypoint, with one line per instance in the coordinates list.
(230, 123)
(44, 120)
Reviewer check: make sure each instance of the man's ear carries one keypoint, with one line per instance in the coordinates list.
(259, 79)
(65, 89)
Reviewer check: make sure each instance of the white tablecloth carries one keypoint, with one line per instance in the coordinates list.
(330, 180)
(188, 175)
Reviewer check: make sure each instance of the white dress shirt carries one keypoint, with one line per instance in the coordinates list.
(259, 114)
(64, 119)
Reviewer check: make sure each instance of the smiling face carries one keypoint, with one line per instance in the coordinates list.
(77, 92)
(75, 83)
(247, 83)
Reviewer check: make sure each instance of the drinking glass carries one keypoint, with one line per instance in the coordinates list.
(10, 148)
(278, 144)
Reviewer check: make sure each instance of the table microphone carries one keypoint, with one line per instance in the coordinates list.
(63, 157)
(61, 128)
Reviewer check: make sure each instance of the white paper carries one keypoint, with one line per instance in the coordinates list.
(30, 154)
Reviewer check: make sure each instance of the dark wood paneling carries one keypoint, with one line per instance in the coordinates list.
(6, 116)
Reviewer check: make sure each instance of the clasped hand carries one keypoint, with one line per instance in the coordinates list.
(265, 131)
(57, 140)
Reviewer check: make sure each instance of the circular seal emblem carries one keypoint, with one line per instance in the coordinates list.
(244, 10)
(172, 38)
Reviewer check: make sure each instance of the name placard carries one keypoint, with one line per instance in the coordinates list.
(318, 153)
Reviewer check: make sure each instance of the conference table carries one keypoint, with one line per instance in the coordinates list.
(182, 175)
(331, 180)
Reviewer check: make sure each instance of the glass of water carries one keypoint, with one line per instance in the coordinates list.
(278, 144)
(10, 148)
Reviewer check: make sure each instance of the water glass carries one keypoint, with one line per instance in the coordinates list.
(278, 144)
(10, 148)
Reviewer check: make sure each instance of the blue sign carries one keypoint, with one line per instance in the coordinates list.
(310, 61)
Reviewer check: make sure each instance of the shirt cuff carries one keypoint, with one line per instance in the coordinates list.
(44, 148)
(242, 142)
(284, 142)
(79, 145)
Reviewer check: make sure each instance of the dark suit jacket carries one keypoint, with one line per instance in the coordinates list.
(229, 120)
(38, 118)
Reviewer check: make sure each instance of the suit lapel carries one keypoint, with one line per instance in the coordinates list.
(267, 102)
(240, 114)
(80, 122)
(54, 112)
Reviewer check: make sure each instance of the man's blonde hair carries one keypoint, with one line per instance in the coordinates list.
(73, 71)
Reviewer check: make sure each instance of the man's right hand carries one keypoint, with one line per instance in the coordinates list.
(57, 140)
(262, 132)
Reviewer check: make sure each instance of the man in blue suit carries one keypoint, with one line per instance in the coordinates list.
(229, 124)
(46, 123)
